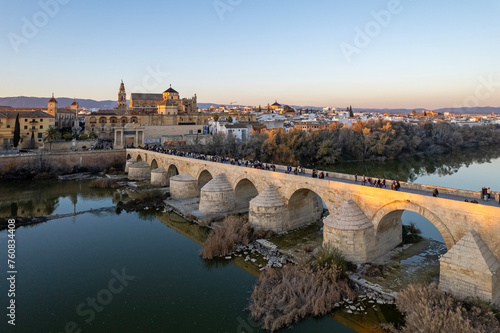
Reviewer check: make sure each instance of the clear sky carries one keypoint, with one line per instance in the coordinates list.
(406, 53)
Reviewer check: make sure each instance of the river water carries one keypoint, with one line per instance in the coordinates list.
(108, 272)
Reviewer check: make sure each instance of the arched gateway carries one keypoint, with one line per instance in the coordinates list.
(364, 222)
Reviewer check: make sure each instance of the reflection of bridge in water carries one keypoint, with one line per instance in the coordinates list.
(364, 221)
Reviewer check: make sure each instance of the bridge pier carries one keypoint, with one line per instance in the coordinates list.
(128, 164)
(268, 210)
(184, 186)
(352, 232)
(159, 177)
(139, 171)
(217, 196)
(469, 269)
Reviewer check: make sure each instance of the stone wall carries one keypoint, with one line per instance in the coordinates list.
(68, 145)
(30, 164)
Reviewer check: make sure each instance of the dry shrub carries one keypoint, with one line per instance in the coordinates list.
(284, 296)
(223, 238)
(427, 309)
(262, 234)
(104, 183)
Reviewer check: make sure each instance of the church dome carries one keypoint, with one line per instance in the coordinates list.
(170, 90)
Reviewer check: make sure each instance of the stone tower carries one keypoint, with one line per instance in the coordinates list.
(74, 106)
(52, 106)
(122, 98)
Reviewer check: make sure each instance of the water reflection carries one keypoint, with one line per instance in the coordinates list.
(37, 198)
(412, 168)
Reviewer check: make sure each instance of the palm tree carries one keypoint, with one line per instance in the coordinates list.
(51, 134)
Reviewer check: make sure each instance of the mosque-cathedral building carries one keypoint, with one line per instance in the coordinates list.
(167, 108)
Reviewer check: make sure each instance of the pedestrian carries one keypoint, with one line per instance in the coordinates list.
(488, 194)
(435, 193)
(356, 178)
(363, 180)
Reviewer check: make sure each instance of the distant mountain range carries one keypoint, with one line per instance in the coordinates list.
(41, 102)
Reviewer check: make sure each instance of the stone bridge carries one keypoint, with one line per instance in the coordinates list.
(364, 222)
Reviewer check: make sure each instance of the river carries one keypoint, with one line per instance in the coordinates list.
(129, 272)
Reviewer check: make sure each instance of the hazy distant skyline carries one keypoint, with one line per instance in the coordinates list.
(394, 54)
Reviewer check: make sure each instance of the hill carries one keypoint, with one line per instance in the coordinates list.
(39, 102)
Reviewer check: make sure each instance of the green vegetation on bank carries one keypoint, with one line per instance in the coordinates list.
(371, 140)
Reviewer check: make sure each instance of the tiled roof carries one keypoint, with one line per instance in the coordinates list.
(26, 114)
(136, 96)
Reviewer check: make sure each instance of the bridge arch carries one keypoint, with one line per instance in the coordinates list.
(129, 157)
(244, 191)
(304, 206)
(139, 158)
(389, 216)
(154, 164)
(203, 178)
(172, 171)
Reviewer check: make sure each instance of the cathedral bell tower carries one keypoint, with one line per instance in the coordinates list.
(122, 98)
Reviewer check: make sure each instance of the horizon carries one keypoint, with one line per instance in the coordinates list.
(386, 54)
(262, 105)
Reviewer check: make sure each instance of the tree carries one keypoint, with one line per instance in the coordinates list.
(216, 117)
(351, 114)
(93, 135)
(50, 135)
(229, 119)
(17, 132)
(67, 136)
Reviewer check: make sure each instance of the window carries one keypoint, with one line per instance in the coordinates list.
(25, 127)
(8, 126)
(41, 120)
(39, 135)
(25, 120)
(41, 126)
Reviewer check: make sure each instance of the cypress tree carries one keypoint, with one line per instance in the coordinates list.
(17, 132)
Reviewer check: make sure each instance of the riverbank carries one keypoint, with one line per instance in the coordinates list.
(50, 164)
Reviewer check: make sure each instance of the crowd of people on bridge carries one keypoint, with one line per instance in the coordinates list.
(485, 193)
(299, 170)
(380, 183)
